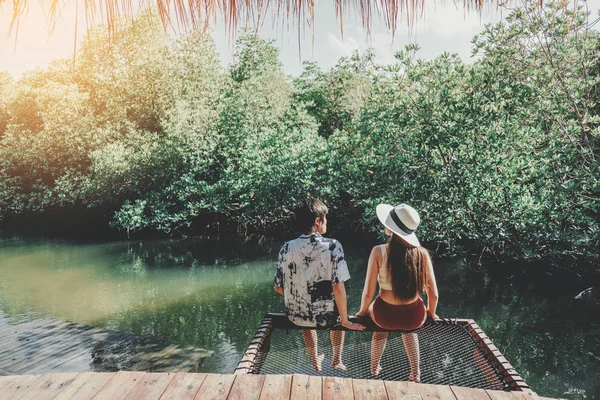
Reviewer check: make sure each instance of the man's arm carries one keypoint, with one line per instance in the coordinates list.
(278, 281)
(339, 274)
(339, 293)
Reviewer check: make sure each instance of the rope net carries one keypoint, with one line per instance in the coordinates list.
(436, 353)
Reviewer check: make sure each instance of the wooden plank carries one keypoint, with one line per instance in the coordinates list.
(215, 386)
(48, 386)
(439, 392)
(246, 387)
(337, 388)
(276, 387)
(402, 390)
(306, 387)
(18, 386)
(53, 385)
(502, 395)
(463, 393)
(184, 386)
(85, 386)
(369, 389)
(242, 370)
(5, 380)
(151, 386)
(119, 385)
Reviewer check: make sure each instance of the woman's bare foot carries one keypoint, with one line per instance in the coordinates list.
(338, 365)
(317, 362)
(375, 370)
(415, 377)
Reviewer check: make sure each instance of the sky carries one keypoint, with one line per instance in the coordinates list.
(445, 26)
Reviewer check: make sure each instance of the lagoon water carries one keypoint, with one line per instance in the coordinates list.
(214, 295)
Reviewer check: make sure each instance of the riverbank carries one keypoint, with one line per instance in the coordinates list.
(240, 239)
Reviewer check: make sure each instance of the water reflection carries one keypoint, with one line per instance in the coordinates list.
(552, 339)
(214, 295)
(94, 283)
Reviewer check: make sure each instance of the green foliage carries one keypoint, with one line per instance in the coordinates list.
(6, 83)
(500, 156)
(126, 78)
(337, 97)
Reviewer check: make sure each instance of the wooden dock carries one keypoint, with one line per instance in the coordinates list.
(48, 345)
(170, 386)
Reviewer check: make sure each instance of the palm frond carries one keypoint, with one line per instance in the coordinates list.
(192, 14)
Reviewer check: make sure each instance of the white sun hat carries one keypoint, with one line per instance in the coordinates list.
(403, 220)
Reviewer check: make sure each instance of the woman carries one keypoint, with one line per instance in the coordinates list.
(403, 270)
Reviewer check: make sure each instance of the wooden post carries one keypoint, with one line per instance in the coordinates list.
(249, 362)
(510, 376)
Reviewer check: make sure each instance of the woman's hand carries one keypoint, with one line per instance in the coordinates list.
(362, 313)
(432, 315)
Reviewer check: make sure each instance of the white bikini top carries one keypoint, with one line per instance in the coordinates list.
(384, 277)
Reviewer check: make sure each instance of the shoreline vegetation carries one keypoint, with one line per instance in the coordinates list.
(149, 135)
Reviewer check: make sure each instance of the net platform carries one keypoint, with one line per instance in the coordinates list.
(446, 352)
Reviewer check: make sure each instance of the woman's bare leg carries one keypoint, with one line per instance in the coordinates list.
(378, 342)
(337, 345)
(312, 341)
(411, 346)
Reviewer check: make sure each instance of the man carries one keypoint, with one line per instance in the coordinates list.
(311, 271)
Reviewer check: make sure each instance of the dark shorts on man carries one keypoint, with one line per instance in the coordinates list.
(328, 319)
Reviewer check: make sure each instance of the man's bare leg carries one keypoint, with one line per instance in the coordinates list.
(411, 346)
(337, 345)
(378, 342)
(312, 341)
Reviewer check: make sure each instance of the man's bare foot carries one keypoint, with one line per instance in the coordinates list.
(375, 371)
(338, 365)
(317, 363)
(415, 377)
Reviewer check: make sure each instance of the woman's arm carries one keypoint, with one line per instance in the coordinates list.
(370, 281)
(431, 289)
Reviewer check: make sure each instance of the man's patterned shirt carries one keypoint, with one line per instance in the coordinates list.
(307, 269)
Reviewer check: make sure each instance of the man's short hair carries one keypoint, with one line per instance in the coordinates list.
(306, 211)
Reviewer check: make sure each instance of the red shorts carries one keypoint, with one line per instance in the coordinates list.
(404, 317)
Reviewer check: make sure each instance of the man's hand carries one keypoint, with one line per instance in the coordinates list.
(353, 326)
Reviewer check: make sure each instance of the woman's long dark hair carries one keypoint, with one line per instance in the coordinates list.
(408, 268)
